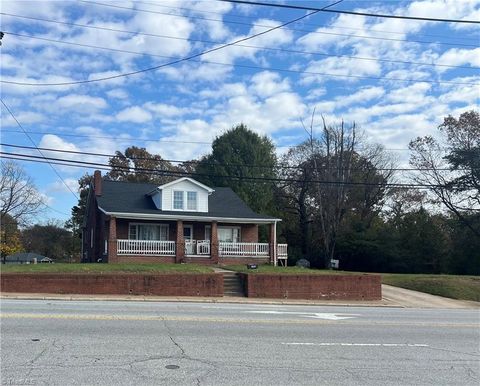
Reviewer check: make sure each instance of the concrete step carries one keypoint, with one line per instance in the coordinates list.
(232, 285)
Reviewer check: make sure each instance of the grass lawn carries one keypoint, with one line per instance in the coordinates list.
(104, 268)
(449, 286)
(266, 268)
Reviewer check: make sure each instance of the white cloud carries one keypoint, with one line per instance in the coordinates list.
(117, 93)
(59, 186)
(414, 93)
(362, 96)
(162, 110)
(81, 103)
(459, 57)
(134, 114)
(268, 83)
(347, 68)
(25, 117)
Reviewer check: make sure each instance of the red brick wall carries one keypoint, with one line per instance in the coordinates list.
(199, 230)
(249, 233)
(243, 260)
(316, 287)
(115, 284)
(122, 229)
(145, 259)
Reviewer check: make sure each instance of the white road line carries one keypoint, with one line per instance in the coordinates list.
(356, 344)
(316, 315)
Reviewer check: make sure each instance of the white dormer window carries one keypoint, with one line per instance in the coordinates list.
(178, 200)
(191, 200)
(184, 194)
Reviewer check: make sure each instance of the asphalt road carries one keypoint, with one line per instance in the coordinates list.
(136, 343)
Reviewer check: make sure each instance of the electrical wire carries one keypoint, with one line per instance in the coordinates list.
(230, 14)
(268, 26)
(196, 162)
(238, 45)
(140, 139)
(299, 7)
(245, 66)
(35, 145)
(165, 172)
(164, 64)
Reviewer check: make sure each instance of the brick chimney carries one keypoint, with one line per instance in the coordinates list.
(97, 182)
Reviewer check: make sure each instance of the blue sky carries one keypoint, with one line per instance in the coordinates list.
(345, 70)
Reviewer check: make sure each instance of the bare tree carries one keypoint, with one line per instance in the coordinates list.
(295, 191)
(452, 168)
(19, 199)
(346, 180)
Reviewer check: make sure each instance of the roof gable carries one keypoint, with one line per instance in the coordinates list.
(199, 184)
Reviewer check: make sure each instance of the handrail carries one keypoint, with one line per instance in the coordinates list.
(244, 249)
(145, 247)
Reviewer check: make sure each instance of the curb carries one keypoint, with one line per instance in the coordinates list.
(223, 300)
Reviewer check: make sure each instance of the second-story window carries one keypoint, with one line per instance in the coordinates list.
(191, 200)
(177, 199)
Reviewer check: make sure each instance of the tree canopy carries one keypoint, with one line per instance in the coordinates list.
(136, 164)
(238, 157)
(451, 166)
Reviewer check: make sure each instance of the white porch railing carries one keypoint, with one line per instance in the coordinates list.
(145, 247)
(203, 247)
(282, 251)
(197, 247)
(243, 249)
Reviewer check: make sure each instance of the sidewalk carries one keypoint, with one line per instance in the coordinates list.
(414, 299)
(392, 297)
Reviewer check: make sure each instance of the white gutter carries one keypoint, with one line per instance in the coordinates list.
(153, 216)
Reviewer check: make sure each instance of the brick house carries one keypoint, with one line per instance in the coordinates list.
(181, 221)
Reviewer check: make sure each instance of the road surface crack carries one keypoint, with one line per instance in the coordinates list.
(169, 334)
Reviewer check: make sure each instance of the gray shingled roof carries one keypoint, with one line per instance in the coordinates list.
(130, 197)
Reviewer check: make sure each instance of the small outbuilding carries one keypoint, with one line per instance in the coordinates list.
(27, 258)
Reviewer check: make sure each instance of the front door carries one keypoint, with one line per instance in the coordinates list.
(188, 237)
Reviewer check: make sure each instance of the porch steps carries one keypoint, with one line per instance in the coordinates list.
(232, 285)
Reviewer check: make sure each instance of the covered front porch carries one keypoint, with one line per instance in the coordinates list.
(192, 241)
(198, 248)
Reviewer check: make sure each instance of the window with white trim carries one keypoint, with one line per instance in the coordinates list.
(178, 199)
(158, 232)
(229, 234)
(191, 200)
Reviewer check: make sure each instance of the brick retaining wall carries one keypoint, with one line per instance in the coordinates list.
(115, 284)
(314, 287)
(137, 259)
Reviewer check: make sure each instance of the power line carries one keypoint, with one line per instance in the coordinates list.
(56, 210)
(230, 14)
(140, 139)
(238, 45)
(266, 26)
(35, 145)
(172, 173)
(299, 7)
(246, 66)
(165, 64)
(114, 138)
(226, 21)
(196, 162)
